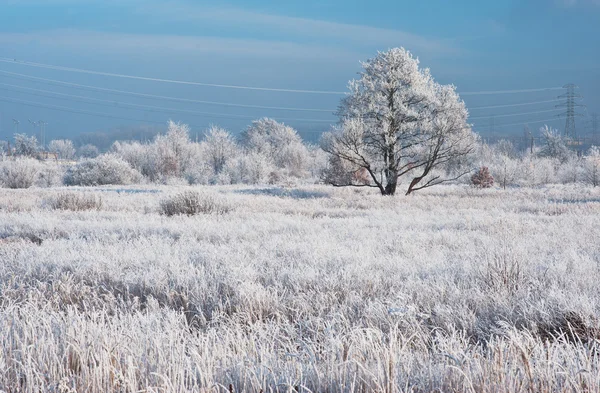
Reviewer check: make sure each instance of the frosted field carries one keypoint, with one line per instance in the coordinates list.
(314, 289)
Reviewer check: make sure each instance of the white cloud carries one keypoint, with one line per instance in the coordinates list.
(358, 38)
(116, 43)
(304, 28)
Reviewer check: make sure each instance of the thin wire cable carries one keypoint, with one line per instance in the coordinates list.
(71, 110)
(115, 75)
(516, 114)
(509, 105)
(491, 92)
(17, 75)
(81, 111)
(51, 94)
(153, 96)
(524, 123)
(179, 82)
(170, 110)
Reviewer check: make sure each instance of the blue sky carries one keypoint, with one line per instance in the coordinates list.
(312, 45)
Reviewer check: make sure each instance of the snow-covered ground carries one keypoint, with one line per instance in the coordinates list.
(317, 289)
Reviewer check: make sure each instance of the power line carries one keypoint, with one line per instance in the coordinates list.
(76, 98)
(230, 86)
(509, 105)
(490, 92)
(174, 81)
(45, 93)
(526, 122)
(72, 110)
(514, 114)
(83, 111)
(153, 96)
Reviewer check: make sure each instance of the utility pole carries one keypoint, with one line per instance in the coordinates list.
(528, 138)
(43, 125)
(16, 123)
(570, 104)
(492, 124)
(33, 124)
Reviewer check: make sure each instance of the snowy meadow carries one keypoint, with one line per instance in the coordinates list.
(299, 289)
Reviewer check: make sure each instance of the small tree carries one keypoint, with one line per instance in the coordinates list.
(482, 178)
(26, 145)
(553, 145)
(88, 151)
(219, 147)
(63, 148)
(279, 143)
(591, 167)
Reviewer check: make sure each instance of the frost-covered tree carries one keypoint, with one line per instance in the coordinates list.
(26, 145)
(88, 151)
(219, 147)
(279, 143)
(63, 148)
(591, 167)
(397, 121)
(553, 145)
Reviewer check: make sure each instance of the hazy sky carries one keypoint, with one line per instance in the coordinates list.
(301, 45)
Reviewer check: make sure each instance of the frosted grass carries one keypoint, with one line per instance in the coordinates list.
(313, 289)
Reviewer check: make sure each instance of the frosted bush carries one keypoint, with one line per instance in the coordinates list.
(75, 201)
(191, 203)
(570, 171)
(19, 173)
(482, 178)
(50, 175)
(103, 170)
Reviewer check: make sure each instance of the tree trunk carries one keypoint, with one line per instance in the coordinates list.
(390, 188)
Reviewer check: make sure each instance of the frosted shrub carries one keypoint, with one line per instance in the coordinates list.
(483, 178)
(570, 171)
(103, 170)
(20, 173)
(50, 175)
(191, 203)
(75, 201)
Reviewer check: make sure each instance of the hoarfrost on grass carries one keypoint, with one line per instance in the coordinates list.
(454, 289)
